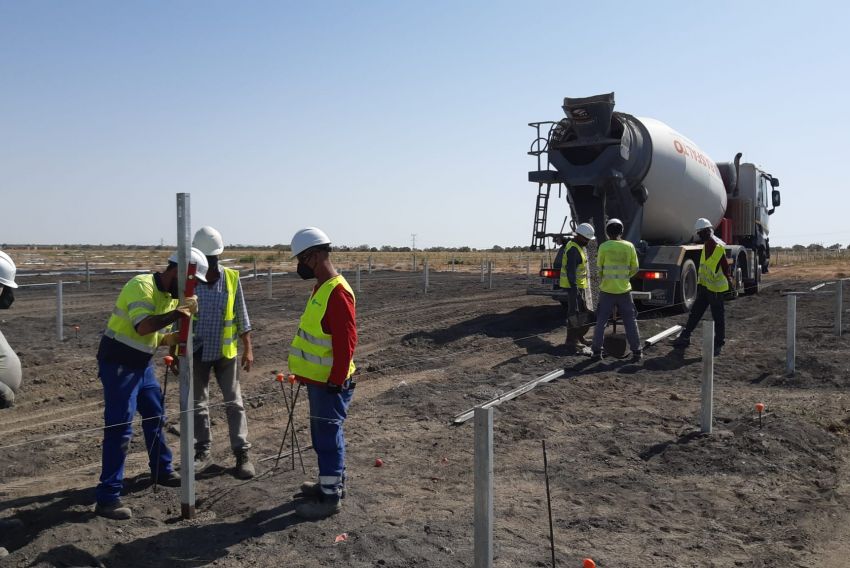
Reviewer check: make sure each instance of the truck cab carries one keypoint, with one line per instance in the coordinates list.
(756, 189)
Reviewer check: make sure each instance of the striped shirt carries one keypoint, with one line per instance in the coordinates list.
(212, 299)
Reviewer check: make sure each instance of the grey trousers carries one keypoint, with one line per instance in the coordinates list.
(227, 375)
(626, 310)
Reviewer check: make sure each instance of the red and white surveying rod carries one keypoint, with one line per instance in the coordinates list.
(185, 321)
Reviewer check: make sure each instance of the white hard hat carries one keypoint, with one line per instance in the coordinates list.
(586, 231)
(308, 238)
(701, 224)
(199, 259)
(7, 270)
(613, 221)
(208, 241)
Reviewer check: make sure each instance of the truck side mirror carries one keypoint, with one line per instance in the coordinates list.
(776, 198)
(774, 182)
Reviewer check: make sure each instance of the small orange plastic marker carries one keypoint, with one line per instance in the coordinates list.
(589, 563)
(759, 407)
(379, 462)
(279, 377)
(168, 360)
(291, 379)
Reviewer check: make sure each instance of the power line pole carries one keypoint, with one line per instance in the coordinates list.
(413, 239)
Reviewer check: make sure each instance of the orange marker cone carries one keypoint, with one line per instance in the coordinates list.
(279, 377)
(589, 563)
(291, 379)
(759, 409)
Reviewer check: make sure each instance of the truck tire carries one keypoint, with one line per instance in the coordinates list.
(686, 289)
(753, 286)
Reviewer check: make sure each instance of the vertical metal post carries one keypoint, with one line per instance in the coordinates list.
(88, 276)
(453, 264)
(839, 305)
(414, 262)
(187, 395)
(707, 406)
(358, 277)
(541, 264)
(483, 487)
(60, 324)
(482, 270)
(489, 274)
(270, 282)
(370, 266)
(426, 275)
(255, 269)
(527, 268)
(791, 335)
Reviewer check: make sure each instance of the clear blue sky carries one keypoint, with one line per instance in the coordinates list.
(375, 120)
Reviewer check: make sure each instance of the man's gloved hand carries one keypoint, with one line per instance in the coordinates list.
(170, 339)
(188, 307)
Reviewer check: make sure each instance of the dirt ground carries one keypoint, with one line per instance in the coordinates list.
(633, 482)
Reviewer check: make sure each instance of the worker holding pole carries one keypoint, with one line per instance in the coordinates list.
(10, 364)
(146, 306)
(221, 319)
(617, 262)
(575, 281)
(713, 282)
(321, 357)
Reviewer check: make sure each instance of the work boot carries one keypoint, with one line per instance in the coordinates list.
(170, 479)
(682, 341)
(244, 467)
(325, 507)
(203, 459)
(314, 490)
(115, 511)
(596, 355)
(637, 356)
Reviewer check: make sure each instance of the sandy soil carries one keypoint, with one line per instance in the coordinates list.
(633, 483)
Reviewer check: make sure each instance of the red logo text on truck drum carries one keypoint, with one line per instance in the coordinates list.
(697, 156)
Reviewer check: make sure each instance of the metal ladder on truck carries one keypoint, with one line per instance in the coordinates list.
(544, 178)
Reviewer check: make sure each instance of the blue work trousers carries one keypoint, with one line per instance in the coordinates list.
(126, 390)
(328, 411)
(625, 309)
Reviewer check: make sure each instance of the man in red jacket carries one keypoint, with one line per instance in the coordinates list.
(322, 357)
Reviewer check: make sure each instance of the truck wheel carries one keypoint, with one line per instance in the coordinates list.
(753, 286)
(686, 291)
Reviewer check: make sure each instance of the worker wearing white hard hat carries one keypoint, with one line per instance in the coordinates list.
(714, 281)
(617, 264)
(321, 357)
(222, 320)
(145, 308)
(574, 279)
(10, 364)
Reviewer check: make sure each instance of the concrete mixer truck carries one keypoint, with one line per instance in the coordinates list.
(658, 182)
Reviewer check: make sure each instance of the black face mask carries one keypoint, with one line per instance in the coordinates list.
(6, 298)
(173, 290)
(305, 272)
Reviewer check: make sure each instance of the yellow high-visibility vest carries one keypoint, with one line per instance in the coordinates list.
(311, 352)
(138, 299)
(709, 274)
(581, 268)
(617, 262)
(228, 330)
